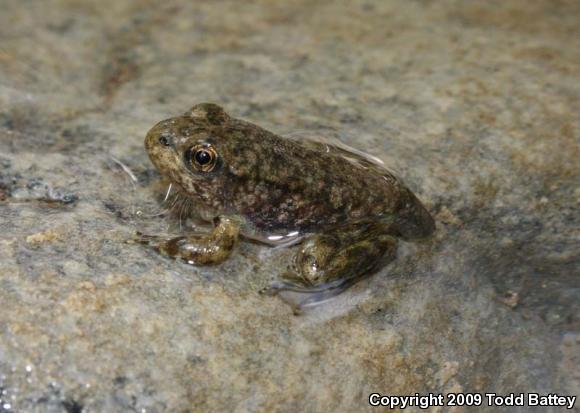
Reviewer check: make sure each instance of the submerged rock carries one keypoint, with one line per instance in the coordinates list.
(475, 106)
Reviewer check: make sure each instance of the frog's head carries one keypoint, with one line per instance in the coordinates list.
(184, 151)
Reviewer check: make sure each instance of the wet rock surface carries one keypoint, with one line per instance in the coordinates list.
(474, 104)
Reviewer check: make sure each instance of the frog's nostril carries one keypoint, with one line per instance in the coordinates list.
(164, 140)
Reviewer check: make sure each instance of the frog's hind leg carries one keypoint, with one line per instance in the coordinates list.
(328, 264)
(199, 249)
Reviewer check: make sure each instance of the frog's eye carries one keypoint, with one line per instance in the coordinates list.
(202, 157)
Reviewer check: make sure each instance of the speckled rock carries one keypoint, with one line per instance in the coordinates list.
(475, 104)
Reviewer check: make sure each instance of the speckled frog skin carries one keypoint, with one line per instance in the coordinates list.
(343, 209)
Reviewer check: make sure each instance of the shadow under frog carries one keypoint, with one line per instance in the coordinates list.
(343, 208)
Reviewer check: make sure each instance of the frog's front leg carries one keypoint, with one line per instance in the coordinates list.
(329, 263)
(199, 249)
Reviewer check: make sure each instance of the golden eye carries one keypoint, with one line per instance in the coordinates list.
(202, 157)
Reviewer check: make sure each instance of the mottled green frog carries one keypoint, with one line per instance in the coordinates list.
(343, 208)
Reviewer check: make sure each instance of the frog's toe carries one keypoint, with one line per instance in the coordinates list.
(300, 298)
(278, 287)
(290, 282)
(274, 288)
(144, 239)
(268, 291)
(141, 238)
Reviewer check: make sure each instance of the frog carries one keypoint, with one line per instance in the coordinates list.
(341, 210)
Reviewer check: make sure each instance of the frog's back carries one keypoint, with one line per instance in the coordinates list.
(282, 184)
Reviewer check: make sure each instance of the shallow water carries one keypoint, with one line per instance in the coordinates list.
(475, 106)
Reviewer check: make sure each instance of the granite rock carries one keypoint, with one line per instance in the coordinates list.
(475, 104)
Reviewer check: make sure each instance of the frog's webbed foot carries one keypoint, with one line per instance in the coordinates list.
(327, 264)
(199, 249)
